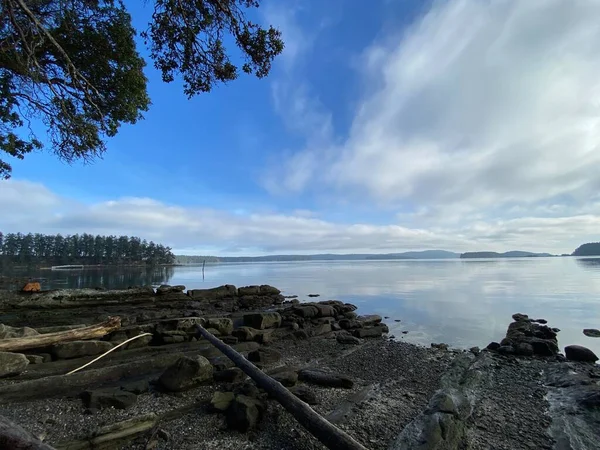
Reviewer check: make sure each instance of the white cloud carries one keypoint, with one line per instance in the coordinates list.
(478, 106)
(204, 230)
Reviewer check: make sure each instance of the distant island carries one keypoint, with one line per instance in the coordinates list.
(511, 254)
(589, 249)
(426, 254)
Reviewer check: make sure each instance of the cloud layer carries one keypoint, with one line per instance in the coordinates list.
(477, 108)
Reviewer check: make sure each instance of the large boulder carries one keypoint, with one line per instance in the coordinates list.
(223, 324)
(325, 310)
(347, 338)
(167, 289)
(185, 373)
(372, 331)
(78, 349)
(306, 311)
(248, 290)
(265, 289)
(263, 320)
(12, 363)
(244, 413)
(580, 353)
(217, 293)
(372, 319)
(7, 332)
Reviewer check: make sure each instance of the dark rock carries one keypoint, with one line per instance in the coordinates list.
(231, 375)
(264, 356)
(350, 315)
(397, 320)
(107, 398)
(506, 350)
(368, 332)
(223, 324)
(325, 310)
(185, 373)
(493, 346)
(543, 347)
(222, 400)
(7, 332)
(136, 387)
(35, 359)
(244, 413)
(346, 338)
(78, 349)
(440, 346)
(442, 402)
(580, 353)
(322, 378)
(214, 293)
(288, 378)
(591, 400)
(372, 319)
(524, 349)
(12, 363)
(301, 334)
(318, 330)
(262, 320)
(520, 317)
(335, 326)
(16, 438)
(542, 321)
(166, 289)
(592, 332)
(307, 311)
(474, 350)
(248, 290)
(314, 295)
(230, 340)
(305, 394)
(350, 324)
(248, 388)
(244, 334)
(265, 289)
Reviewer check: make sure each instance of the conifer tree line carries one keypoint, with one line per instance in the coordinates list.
(81, 249)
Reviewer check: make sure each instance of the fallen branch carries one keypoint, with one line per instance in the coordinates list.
(111, 350)
(331, 436)
(42, 340)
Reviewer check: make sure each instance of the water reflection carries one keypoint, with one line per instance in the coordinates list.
(589, 263)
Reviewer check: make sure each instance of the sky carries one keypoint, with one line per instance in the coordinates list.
(384, 126)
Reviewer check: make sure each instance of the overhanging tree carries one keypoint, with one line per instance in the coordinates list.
(73, 64)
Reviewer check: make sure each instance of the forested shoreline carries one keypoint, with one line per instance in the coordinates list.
(41, 249)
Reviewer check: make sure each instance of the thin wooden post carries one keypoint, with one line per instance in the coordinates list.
(331, 436)
(203, 264)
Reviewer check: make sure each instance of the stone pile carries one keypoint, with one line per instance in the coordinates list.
(528, 337)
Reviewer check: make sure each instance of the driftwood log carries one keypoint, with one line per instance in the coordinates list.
(13, 437)
(331, 436)
(42, 340)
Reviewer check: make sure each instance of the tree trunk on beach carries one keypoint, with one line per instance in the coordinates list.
(331, 436)
(92, 332)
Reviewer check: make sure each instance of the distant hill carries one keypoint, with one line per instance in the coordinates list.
(589, 249)
(426, 254)
(511, 254)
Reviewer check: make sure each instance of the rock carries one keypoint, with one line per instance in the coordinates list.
(32, 287)
(7, 332)
(351, 315)
(506, 350)
(405, 332)
(12, 363)
(222, 400)
(307, 311)
(590, 332)
(288, 378)
(580, 353)
(374, 331)
(248, 290)
(263, 320)
(542, 321)
(524, 349)
(300, 334)
(520, 317)
(35, 359)
(346, 338)
(185, 373)
(106, 398)
(232, 375)
(230, 340)
(591, 400)
(442, 402)
(440, 346)
(318, 330)
(136, 387)
(166, 289)
(322, 378)
(350, 324)
(372, 319)
(244, 334)
(244, 413)
(325, 310)
(543, 347)
(474, 350)
(77, 349)
(493, 346)
(248, 388)
(397, 320)
(264, 356)
(265, 289)
(305, 394)
(223, 324)
(217, 293)
(314, 295)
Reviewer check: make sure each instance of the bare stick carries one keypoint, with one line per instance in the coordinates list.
(43, 340)
(331, 436)
(111, 350)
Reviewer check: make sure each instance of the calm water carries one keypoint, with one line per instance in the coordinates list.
(461, 302)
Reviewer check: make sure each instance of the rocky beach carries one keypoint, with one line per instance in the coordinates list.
(172, 389)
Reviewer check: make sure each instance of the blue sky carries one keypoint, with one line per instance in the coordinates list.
(384, 126)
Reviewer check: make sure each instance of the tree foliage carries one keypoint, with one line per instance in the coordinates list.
(74, 65)
(589, 249)
(81, 249)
